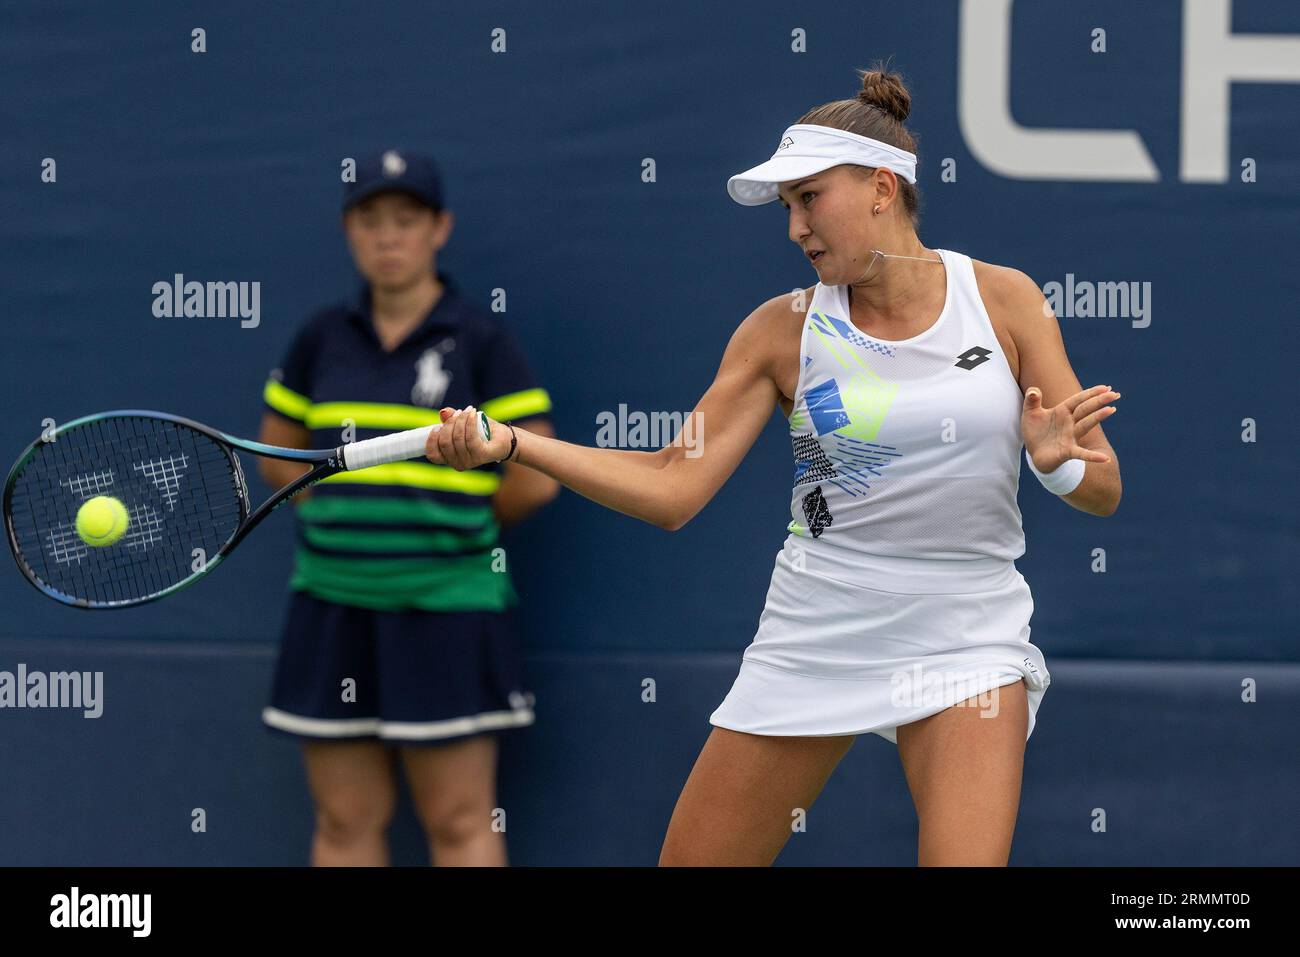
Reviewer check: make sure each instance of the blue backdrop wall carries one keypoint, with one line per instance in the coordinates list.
(225, 165)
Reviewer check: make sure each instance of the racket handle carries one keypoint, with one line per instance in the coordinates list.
(398, 447)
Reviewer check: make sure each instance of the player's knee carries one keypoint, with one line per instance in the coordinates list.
(347, 820)
(455, 823)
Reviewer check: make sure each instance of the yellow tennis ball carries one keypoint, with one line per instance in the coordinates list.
(102, 520)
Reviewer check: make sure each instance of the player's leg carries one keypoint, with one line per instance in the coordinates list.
(354, 789)
(963, 767)
(453, 787)
(325, 693)
(447, 677)
(742, 796)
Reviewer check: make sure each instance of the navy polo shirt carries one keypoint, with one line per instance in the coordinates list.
(408, 534)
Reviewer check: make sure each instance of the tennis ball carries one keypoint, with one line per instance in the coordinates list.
(102, 520)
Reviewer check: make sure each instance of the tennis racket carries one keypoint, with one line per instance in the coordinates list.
(182, 486)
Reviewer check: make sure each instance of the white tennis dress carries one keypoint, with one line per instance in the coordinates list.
(896, 593)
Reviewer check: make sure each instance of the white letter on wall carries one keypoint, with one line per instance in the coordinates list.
(1020, 152)
(1214, 56)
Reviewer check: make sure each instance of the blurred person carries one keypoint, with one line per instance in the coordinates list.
(400, 642)
(895, 606)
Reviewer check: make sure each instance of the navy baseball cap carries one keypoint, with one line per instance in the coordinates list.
(395, 171)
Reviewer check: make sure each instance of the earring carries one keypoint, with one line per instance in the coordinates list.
(877, 209)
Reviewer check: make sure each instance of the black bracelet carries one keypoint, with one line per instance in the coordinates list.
(514, 440)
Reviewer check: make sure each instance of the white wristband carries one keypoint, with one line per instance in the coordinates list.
(1062, 480)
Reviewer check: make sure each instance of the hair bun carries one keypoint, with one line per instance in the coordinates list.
(885, 91)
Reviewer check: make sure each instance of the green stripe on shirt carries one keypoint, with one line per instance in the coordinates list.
(394, 511)
(462, 583)
(416, 541)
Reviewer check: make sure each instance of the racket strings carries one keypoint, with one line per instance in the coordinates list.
(178, 486)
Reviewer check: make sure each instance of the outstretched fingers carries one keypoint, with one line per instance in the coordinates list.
(1079, 398)
(1088, 455)
(1088, 414)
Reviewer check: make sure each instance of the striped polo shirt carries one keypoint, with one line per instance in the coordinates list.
(410, 534)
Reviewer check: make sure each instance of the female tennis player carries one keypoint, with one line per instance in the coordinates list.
(910, 378)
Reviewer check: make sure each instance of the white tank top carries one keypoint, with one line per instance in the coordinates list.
(907, 452)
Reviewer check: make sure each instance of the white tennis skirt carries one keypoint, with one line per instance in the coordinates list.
(831, 658)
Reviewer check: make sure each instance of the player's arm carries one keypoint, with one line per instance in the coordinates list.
(278, 430)
(667, 487)
(1036, 333)
(523, 490)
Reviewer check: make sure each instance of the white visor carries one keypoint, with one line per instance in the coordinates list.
(806, 149)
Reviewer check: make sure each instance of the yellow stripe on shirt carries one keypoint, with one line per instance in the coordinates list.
(423, 475)
(516, 405)
(285, 401)
(370, 415)
(389, 416)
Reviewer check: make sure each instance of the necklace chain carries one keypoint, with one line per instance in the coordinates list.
(917, 258)
(877, 254)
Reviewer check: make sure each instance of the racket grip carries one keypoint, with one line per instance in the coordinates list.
(397, 447)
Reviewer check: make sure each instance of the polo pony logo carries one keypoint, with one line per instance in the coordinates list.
(431, 379)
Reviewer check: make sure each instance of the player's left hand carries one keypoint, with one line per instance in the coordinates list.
(1051, 435)
(460, 444)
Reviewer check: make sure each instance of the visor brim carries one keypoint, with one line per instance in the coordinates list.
(757, 186)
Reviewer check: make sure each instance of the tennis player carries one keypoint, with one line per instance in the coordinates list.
(399, 636)
(910, 378)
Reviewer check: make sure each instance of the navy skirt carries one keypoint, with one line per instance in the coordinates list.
(402, 676)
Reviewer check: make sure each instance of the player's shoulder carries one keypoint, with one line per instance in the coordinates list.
(1005, 286)
(795, 301)
(1011, 298)
(781, 312)
(772, 330)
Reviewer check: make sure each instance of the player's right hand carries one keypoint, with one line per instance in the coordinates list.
(459, 443)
